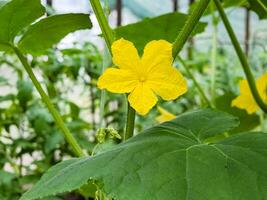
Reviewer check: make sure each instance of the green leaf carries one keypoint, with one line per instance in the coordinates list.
(49, 31)
(6, 177)
(16, 15)
(162, 27)
(234, 3)
(25, 89)
(260, 7)
(171, 161)
(53, 141)
(8, 97)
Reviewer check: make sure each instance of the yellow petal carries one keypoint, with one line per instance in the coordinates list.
(244, 87)
(169, 83)
(125, 55)
(164, 115)
(262, 86)
(117, 80)
(245, 102)
(142, 99)
(157, 53)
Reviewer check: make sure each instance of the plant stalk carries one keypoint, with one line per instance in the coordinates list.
(103, 23)
(189, 26)
(69, 137)
(130, 123)
(213, 55)
(242, 57)
(109, 39)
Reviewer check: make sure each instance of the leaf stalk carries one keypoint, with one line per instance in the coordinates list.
(242, 57)
(59, 121)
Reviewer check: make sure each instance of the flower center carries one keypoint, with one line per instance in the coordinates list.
(142, 79)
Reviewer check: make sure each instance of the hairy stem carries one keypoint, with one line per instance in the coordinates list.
(189, 26)
(130, 123)
(69, 137)
(103, 23)
(109, 39)
(242, 57)
(213, 55)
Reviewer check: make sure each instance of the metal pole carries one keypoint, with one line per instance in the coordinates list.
(175, 5)
(119, 12)
(247, 30)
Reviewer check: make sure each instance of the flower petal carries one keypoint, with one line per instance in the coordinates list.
(168, 84)
(244, 87)
(245, 102)
(164, 115)
(262, 86)
(125, 55)
(142, 99)
(157, 52)
(117, 80)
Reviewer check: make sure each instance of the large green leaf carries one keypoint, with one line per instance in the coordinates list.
(171, 161)
(49, 31)
(163, 27)
(16, 15)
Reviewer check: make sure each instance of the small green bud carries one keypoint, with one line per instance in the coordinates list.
(112, 133)
(101, 135)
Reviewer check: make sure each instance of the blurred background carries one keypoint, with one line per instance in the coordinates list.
(30, 143)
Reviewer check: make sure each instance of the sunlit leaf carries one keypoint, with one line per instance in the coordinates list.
(16, 15)
(49, 31)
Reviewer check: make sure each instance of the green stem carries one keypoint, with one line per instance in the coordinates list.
(189, 26)
(109, 38)
(103, 23)
(106, 57)
(242, 57)
(189, 73)
(213, 55)
(130, 123)
(69, 137)
(262, 121)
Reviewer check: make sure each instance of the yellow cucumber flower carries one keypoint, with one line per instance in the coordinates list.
(164, 115)
(143, 78)
(246, 100)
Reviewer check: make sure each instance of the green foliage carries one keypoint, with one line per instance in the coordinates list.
(49, 31)
(25, 89)
(16, 15)
(163, 27)
(22, 110)
(181, 166)
(260, 7)
(200, 155)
